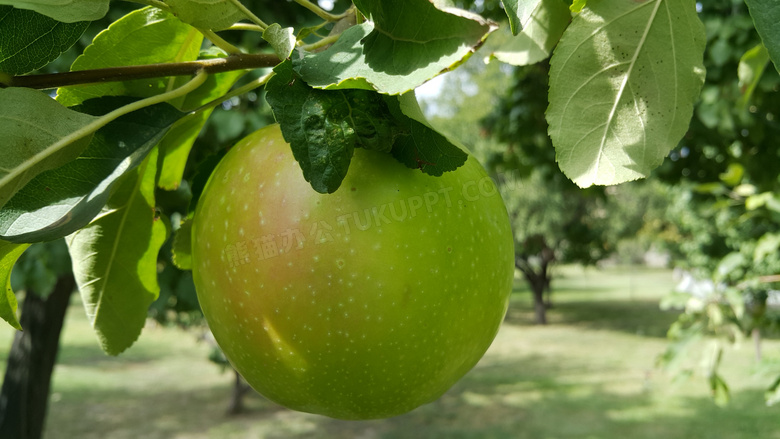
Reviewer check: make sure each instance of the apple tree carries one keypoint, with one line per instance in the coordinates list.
(90, 164)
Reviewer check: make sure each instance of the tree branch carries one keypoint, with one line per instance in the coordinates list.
(109, 74)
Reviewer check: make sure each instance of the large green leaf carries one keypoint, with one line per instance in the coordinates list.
(519, 13)
(31, 123)
(766, 16)
(206, 14)
(623, 81)
(324, 127)
(59, 201)
(177, 143)
(541, 33)
(405, 44)
(29, 40)
(115, 260)
(9, 253)
(144, 36)
(66, 11)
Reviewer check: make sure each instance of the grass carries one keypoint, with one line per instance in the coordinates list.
(589, 374)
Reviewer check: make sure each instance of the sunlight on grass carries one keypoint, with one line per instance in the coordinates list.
(590, 374)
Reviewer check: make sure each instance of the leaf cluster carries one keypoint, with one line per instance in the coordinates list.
(115, 164)
(100, 164)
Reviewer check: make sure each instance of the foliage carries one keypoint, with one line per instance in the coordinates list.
(553, 220)
(723, 218)
(157, 95)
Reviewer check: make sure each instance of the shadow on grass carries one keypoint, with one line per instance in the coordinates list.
(86, 355)
(636, 317)
(496, 400)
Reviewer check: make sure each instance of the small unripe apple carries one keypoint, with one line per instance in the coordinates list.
(364, 303)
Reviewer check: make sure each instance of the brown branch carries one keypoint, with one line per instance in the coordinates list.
(109, 74)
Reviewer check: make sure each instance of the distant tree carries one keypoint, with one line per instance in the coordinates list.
(498, 112)
(44, 274)
(554, 220)
(724, 211)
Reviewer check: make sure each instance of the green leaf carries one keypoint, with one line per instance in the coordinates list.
(539, 36)
(577, 5)
(29, 40)
(281, 39)
(66, 11)
(770, 200)
(519, 13)
(323, 127)
(730, 263)
(203, 171)
(206, 14)
(310, 30)
(133, 40)
(720, 390)
(40, 267)
(182, 245)
(733, 174)
(31, 122)
(772, 395)
(623, 81)
(418, 145)
(399, 50)
(62, 200)
(115, 260)
(767, 245)
(177, 143)
(751, 68)
(9, 253)
(766, 15)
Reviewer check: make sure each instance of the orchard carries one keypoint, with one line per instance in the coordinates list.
(351, 256)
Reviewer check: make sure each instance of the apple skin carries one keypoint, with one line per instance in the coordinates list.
(365, 303)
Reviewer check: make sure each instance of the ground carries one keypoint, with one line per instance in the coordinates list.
(589, 374)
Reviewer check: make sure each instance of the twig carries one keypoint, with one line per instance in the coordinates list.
(246, 26)
(237, 92)
(330, 39)
(219, 42)
(218, 65)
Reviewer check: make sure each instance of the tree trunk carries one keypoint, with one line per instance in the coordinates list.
(539, 282)
(756, 333)
(25, 392)
(240, 388)
(540, 308)
(548, 298)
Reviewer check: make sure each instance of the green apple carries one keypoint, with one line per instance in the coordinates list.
(364, 303)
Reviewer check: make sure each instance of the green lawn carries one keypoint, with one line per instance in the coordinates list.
(590, 374)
